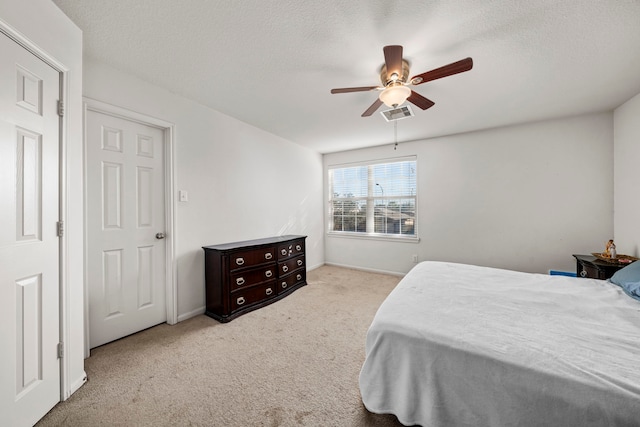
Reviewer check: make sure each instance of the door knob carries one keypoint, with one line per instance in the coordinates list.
(160, 235)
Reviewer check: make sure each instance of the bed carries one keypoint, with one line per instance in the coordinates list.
(461, 345)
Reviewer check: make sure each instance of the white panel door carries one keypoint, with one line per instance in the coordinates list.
(29, 245)
(125, 227)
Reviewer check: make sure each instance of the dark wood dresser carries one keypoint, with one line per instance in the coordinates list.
(244, 276)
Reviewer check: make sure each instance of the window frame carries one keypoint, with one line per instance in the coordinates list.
(369, 201)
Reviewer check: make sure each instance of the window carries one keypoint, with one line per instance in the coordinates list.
(377, 199)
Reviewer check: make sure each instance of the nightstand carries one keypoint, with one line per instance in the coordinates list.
(594, 268)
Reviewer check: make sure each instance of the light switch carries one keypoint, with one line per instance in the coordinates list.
(183, 196)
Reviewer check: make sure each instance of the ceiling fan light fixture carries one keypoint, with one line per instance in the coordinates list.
(394, 79)
(396, 95)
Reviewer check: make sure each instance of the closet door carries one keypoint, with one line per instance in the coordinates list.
(29, 242)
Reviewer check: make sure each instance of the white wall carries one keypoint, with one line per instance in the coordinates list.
(626, 177)
(243, 183)
(46, 27)
(523, 197)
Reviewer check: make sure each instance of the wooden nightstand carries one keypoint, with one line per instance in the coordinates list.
(594, 268)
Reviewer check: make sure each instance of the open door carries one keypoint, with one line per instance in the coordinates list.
(29, 242)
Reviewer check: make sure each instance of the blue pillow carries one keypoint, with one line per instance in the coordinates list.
(628, 278)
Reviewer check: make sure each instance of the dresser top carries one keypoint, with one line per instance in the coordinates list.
(256, 242)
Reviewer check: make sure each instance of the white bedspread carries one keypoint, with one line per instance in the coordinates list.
(459, 345)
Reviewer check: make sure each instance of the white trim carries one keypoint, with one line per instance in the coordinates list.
(26, 43)
(170, 201)
(400, 238)
(410, 158)
(66, 389)
(87, 352)
(171, 283)
(65, 321)
(76, 385)
(192, 313)
(314, 267)
(370, 270)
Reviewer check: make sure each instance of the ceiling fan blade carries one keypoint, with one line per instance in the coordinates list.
(448, 70)
(420, 101)
(353, 89)
(393, 59)
(373, 108)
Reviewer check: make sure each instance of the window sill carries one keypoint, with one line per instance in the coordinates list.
(362, 236)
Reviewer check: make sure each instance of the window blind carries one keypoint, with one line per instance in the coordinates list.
(374, 199)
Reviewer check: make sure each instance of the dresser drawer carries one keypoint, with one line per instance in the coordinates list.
(589, 271)
(291, 265)
(250, 296)
(244, 278)
(249, 258)
(290, 249)
(287, 282)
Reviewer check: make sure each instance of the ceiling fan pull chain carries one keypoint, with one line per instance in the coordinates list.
(395, 134)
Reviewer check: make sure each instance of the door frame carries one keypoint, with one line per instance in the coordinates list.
(63, 259)
(168, 129)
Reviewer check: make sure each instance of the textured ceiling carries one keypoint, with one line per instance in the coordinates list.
(272, 63)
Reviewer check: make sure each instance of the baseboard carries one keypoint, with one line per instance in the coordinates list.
(369, 270)
(75, 386)
(189, 315)
(314, 267)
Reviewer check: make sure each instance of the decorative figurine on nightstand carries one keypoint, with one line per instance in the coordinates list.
(610, 251)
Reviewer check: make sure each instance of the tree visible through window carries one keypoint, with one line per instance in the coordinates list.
(374, 199)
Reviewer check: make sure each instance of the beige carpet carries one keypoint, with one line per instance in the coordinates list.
(293, 363)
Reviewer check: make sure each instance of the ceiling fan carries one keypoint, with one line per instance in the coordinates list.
(395, 85)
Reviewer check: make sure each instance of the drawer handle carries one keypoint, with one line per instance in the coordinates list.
(240, 261)
(269, 291)
(268, 255)
(285, 268)
(240, 281)
(284, 285)
(298, 248)
(299, 262)
(583, 273)
(299, 277)
(240, 301)
(268, 273)
(283, 251)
